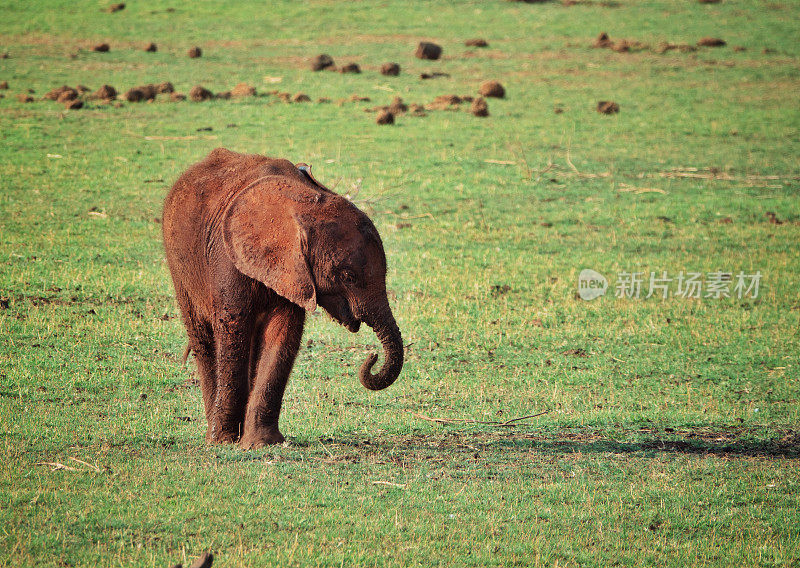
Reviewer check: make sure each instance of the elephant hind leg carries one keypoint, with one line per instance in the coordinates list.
(205, 353)
(201, 343)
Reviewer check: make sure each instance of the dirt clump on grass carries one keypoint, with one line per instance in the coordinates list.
(54, 94)
(67, 96)
(476, 42)
(198, 94)
(448, 102)
(115, 8)
(151, 48)
(354, 98)
(434, 75)
(301, 98)
(73, 105)
(321, 61)
(105, 93)
(711, 42)
(243, 90)
(177, 97)
(428, 50)
(391, 69)
(385, 117)
(479, 107)
(195, 52)
(3, 85)
(101, 48)
(350, 68)
(141, 93)
(772, 217)
(398, 106)
(24, 98)
(603, 41)
(682, 47)
(607, 107)
(492, 89)
(165, 88)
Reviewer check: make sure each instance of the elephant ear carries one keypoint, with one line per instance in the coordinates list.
(267, 242)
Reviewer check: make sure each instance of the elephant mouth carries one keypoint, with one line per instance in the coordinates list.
(341, 314)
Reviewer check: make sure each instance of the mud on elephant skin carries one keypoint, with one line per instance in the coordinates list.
(252, 243)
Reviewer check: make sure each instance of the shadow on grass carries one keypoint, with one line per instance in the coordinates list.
(723, 443)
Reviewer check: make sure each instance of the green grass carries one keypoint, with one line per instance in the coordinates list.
(672, 442)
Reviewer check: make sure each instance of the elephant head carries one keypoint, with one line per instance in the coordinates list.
(314, 247)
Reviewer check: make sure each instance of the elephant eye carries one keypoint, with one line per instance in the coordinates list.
(347, 276)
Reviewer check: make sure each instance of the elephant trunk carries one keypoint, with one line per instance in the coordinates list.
(388, 333)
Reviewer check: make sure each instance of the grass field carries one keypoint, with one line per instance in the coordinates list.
(669, 432)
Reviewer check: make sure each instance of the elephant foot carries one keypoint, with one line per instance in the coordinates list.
(260, 437)
(217, 436)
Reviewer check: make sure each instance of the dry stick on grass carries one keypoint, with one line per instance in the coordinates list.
(511, 422)
(521, 156)
(390, 484)
(56, 466)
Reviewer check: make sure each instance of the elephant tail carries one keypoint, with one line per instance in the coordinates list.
(186, 352)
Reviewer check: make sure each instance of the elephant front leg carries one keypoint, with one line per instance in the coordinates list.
(280, 342)
(230, 396)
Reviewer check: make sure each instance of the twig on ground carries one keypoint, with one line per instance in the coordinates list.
(511, 422)
(625, 188)
(56, 466)
(390, 484)
(87, 464)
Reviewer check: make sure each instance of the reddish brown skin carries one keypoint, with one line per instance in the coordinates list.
(252, 243)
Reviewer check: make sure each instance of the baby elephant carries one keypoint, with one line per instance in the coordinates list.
(252, 243)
